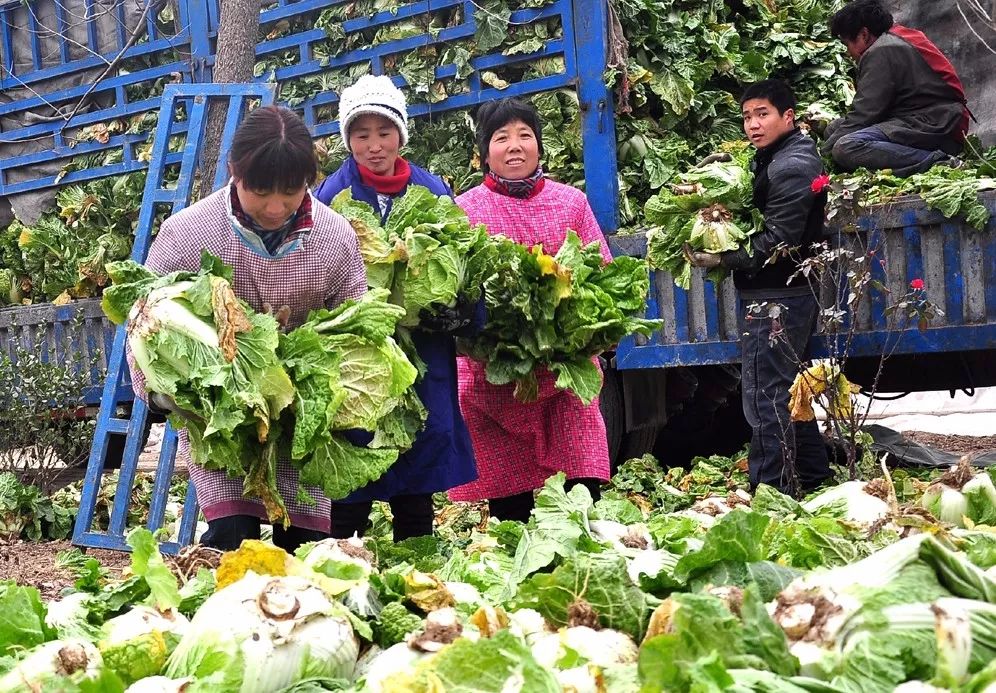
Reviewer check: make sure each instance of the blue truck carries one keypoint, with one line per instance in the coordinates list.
(675, 391)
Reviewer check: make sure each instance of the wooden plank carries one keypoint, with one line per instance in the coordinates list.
(711, 299)
(954, 280)
(975, 278)
(895, 272)
(728, 310)
(666, 307)
(932, 253)
(696, 307)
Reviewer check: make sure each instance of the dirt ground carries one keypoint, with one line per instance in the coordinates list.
(958, 445)
(35, 563)
(28, 563)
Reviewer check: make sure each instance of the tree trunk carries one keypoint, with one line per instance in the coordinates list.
(236, 55)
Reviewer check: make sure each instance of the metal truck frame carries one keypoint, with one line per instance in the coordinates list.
(693, 359)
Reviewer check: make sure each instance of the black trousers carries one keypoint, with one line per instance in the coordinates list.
(519, 506)
(768, 370)
(227, 533)
(413, 515)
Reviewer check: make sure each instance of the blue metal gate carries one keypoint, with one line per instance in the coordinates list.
(119, 72)
(78, 77)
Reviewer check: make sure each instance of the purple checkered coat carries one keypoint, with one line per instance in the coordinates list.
(317, 266)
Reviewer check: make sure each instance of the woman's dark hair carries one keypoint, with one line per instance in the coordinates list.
(777, 91)
(494, 115)
(856, 15)
(273, 150)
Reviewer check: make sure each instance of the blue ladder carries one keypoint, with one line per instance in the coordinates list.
(184, 113)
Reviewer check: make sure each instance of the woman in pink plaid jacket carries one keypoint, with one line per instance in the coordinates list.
(518, 445)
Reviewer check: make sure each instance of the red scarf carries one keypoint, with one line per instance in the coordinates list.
(390, 184)
(939, 64)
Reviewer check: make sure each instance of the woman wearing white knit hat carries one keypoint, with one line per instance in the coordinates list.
(373, 120)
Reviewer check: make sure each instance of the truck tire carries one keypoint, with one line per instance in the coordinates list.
(623, 444)
(611, 405)
(710, 422)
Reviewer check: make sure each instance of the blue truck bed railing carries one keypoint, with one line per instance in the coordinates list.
(956, 263)
(76, 336)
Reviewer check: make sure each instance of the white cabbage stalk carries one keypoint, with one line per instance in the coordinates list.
(600, 647)
(286, 629)
(815, 606)
(56, 659)
(441, 627)
(373, 671)
(953, 625)
(714, 506)
(142, 619)
(69, 616)
(814, 661)
(918, 687)
(650, 563)
(529, 625)
(861, 507)
(704, 520)
(360, 598)
(160, 684)
(946, 504)
(962, 496)
(586, 678)
(980, 493)
(954, 622)
(342, 550)
(160, 311)
(950, 618)
(626, 539)
(464, 593)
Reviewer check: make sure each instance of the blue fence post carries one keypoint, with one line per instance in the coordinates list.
(591, 24)
(199, 14)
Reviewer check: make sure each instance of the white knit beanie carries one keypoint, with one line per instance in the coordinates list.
(373, 94)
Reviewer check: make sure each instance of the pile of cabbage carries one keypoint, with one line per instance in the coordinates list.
(334, 396)
(709, 209)
(675, 580)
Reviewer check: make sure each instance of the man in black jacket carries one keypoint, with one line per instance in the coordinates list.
(909, 111)
(789, 190)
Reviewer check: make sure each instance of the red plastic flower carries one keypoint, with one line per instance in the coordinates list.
(916, 285)
(820, 183)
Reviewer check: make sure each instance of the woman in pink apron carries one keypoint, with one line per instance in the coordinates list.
(519, 445)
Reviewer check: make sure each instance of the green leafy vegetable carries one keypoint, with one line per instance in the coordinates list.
(556, 312)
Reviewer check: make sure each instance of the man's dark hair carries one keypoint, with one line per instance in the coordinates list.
(777, 91)
(494, 115)
(856, 15)
(273, 151)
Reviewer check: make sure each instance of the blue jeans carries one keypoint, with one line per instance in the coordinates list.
(870, 148)
(767, 372)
